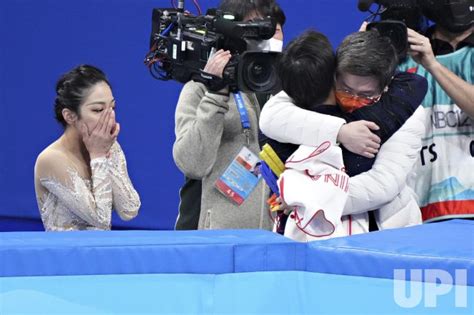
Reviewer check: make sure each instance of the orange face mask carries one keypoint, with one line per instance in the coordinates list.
(350, 102)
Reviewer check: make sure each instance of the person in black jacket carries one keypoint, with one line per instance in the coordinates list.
(360, 83)
(307, 68)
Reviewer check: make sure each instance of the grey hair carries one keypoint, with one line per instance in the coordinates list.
(367, 54)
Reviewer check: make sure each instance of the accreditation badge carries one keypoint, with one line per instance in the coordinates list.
(241, 177)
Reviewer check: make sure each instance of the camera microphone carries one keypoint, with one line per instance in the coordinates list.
(364, 5)
(227, 27)
(260, 30)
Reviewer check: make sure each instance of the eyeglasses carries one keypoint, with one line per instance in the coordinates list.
(363, 100)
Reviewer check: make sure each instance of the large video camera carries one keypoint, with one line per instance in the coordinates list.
(396, 16)
(181, 44)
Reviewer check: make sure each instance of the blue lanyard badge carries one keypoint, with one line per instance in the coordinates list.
(240, 178)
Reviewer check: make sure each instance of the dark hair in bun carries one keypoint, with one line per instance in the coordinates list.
(72, 87)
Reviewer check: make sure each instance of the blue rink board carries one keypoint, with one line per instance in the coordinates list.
(134, 252)
(446, 245)
(286, 292)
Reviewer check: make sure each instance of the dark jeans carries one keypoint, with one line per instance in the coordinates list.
(190, 205)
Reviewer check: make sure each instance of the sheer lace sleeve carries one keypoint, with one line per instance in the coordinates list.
(126, 200)
(90, 201)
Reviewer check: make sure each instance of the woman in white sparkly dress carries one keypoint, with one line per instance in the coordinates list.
(83, 175)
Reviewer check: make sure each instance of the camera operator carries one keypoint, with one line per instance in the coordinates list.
(443, 178)
(209, 136)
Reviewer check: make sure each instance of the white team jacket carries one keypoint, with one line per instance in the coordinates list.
(383, 187)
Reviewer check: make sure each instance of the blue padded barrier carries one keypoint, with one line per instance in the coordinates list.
(124, 252)
(446, 245)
